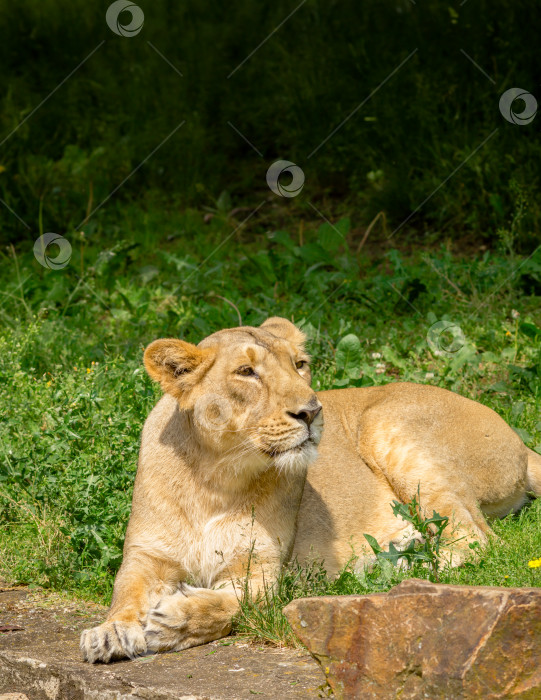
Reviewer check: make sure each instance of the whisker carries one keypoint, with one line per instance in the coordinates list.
(238, 430)
(239, 450)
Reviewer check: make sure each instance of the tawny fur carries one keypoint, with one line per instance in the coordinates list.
(229, 478)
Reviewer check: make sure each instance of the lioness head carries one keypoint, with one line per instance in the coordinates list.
(246, 392)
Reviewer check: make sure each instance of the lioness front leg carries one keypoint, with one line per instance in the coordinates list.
(190, 617)
(140, 582)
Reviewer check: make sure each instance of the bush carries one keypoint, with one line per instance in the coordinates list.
(420, 124)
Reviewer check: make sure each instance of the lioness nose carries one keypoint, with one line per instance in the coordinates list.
(307, 415)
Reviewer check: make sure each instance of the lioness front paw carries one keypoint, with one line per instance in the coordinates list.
(167, 623)
(189, 617)
(113, 640)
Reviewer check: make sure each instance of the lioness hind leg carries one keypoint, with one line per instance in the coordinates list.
(466, 524)
(534, 473)
(189, 617)
(463, 528)
(413, 474)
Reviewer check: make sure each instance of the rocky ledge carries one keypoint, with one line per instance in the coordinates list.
(40, 659)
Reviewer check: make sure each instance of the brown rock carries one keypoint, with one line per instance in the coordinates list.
(425, 640)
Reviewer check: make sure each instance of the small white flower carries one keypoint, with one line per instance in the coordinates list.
(380, 368)
(375, 355)
(429, 375)
(515, 313)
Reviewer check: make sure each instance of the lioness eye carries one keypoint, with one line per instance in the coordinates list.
(246, 371)
(300, 364)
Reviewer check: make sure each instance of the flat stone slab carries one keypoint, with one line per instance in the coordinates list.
(40, 658)
(424, 640)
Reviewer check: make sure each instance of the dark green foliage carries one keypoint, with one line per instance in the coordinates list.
(314, 71)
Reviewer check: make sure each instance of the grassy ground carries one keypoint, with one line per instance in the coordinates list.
(73, 394)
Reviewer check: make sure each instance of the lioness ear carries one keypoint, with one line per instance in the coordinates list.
(282, 328)
(177, 365)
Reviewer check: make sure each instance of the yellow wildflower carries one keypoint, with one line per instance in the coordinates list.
(534, 563)
(49, 383)
(507, 333)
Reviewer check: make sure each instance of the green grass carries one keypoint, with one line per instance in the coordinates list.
(74, 395)
(504, 562)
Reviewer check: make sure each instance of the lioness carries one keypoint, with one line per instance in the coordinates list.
(229, 472)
